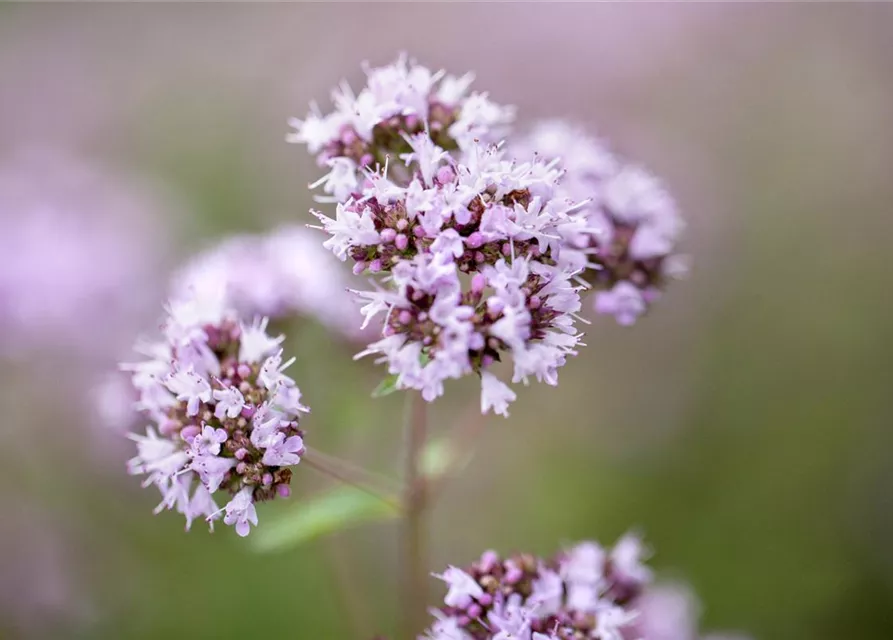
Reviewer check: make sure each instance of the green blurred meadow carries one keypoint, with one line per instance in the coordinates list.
(744, 426)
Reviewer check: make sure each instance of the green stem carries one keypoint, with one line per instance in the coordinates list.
(353, 476)
(415, 555)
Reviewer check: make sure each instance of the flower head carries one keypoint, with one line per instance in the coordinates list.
(225, 414)
(399, 100)
(631, 223)
(523, 597)
(469, 258)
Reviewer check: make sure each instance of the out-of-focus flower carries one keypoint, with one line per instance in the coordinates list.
(631, 255)
(670, 612)
(579, 594)
(667, 612)
(399, 100)
(472, 270)
(280, 274)
(81, 256)
(225, 415)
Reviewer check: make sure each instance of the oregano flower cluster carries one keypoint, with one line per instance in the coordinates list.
(478, 250)
(465, 244)
(225, 416)
(583, 593)
(586, 592)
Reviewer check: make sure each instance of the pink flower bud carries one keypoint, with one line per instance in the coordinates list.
(474, 241)
(445, 174)
(478, 283)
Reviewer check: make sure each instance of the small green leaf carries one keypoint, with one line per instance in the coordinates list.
(314, 517)
(386, 387)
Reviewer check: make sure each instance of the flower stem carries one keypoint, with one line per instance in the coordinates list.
(353, 476)
(415, 555)
(388, 484)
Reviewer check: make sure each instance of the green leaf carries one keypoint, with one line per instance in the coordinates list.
(314, 517)
(386, 387)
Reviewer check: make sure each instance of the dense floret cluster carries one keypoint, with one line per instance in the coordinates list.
(468, 247)
(582, 593)
(225, 416)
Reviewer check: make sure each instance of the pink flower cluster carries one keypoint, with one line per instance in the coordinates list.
(468, 246)
(225, 415)
(638, 225)
(583, 593)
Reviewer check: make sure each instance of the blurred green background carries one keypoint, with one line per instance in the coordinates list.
(744, 426)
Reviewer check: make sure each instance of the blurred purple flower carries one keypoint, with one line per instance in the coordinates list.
(670, 612)
(632, 224)
(280, 274)
(82, 252)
